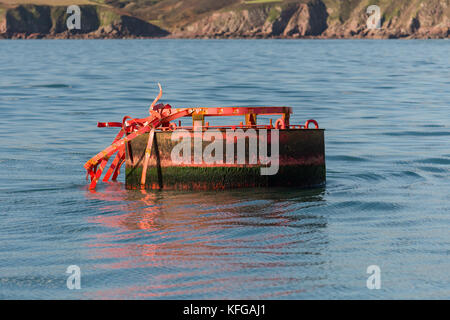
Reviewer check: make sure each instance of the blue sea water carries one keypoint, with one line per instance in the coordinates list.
(385, 106)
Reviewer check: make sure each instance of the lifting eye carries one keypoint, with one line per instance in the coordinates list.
(311, 121)
(279, 124)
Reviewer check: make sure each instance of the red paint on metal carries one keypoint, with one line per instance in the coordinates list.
(115, 164)
(160, 118)
(279, 124)
(311, 121)
(109, 124)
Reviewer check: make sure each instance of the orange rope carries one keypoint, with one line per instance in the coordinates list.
(148, 151)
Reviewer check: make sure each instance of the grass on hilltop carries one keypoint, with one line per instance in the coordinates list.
(13, 3)
(261, 1)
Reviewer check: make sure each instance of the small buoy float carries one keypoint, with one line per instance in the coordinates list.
(159, 154)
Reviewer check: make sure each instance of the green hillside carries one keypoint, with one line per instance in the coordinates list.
(268, 18)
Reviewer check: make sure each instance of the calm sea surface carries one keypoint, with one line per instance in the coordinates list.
(386, 109)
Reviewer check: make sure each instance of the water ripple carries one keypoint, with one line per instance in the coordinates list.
(385, 201)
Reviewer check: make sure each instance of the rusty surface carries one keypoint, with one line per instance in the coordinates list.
(302, 154)
(301, 163)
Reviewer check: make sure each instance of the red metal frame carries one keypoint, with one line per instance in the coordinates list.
(160, 119)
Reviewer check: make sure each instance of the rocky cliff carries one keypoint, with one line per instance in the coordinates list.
(36, 21)
(325, 19)
(232, 19)
(291, 20)
(399, 18)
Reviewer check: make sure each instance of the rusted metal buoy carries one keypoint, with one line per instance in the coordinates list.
(159, 154)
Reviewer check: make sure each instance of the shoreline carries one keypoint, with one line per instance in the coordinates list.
(364, 34)
(302, 20)
(39, 37)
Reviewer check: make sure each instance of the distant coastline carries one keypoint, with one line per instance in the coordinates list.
(289, 19)
(34, 36)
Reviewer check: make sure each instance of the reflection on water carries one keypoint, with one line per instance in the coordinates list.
(194, 242)
(386, 117)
